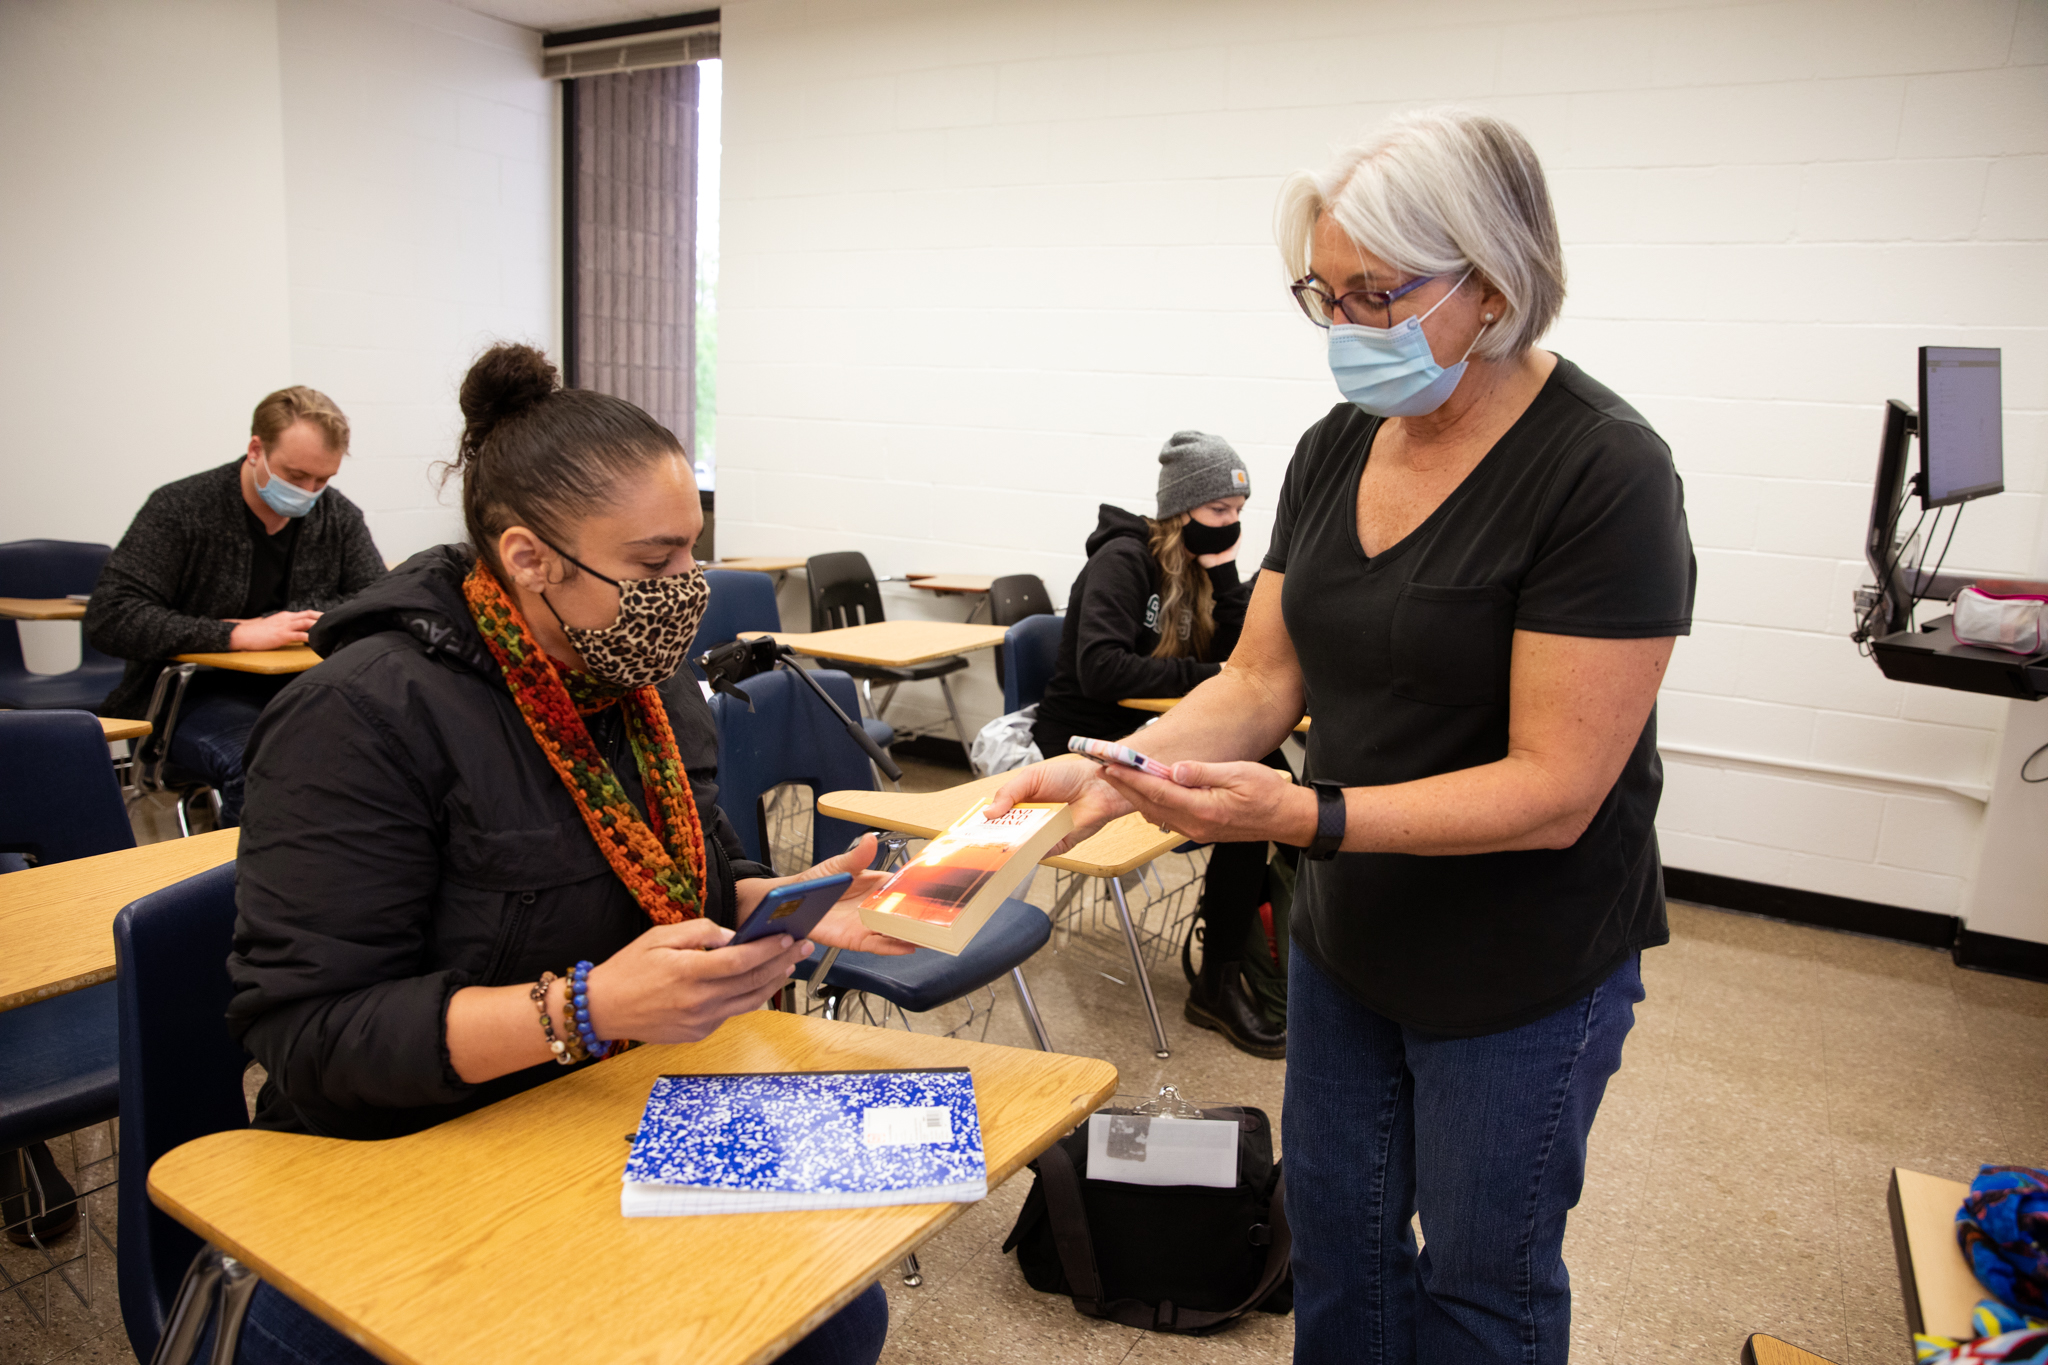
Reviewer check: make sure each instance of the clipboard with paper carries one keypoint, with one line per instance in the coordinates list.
(1163, 1140)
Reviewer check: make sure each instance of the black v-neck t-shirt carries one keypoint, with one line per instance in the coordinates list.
(270, 565)
(1573, 524)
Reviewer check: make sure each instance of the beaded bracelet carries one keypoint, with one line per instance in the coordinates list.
(539, 996)
(579, 990)
(577, 1052)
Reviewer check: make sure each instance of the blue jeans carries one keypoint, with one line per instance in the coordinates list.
(219, 711)
(279, 1332)
(1486, 1137)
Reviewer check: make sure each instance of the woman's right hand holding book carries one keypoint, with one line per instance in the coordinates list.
(1074, 782)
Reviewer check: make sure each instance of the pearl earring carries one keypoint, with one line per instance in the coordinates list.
(1489, 317)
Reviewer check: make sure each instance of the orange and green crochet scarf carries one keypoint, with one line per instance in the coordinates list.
(662, 866)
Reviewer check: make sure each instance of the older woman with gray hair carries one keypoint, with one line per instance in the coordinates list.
(1478, 569)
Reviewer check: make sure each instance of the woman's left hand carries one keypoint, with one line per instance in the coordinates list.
(1221, 803)
(841, 927)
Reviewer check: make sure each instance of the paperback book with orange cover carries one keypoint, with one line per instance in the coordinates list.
(942, 898)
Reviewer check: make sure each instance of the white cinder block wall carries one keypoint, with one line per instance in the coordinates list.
(420, 166)
(210, 200)
(142, 251)
(980, 259)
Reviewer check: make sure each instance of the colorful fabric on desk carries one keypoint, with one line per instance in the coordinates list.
(663, 866)
(2003, 1230)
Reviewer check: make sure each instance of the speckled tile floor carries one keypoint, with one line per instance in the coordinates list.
(1736, 1182)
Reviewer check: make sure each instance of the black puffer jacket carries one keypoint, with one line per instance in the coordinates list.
(405, 837)
(1111, 629)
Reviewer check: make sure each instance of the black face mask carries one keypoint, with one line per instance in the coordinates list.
(1209, 540)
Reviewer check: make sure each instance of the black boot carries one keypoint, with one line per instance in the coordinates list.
(35, 1196)
(1218, 1000)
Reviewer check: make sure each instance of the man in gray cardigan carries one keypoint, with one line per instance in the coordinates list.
(245, 556)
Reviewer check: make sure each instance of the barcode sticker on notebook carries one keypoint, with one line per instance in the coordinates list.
(901, 1126)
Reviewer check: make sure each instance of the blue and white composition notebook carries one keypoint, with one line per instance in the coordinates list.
(761, 1143)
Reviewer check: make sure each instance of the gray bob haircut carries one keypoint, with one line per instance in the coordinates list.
(1436, 191)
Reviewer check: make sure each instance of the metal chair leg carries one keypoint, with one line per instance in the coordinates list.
(1123, 911)
(237, 1286)
(1030, 1008)
(913, 1273)
(191, 1309)
(959, 729)
(818, 986)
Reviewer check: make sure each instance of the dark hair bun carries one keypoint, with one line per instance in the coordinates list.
(505, 382)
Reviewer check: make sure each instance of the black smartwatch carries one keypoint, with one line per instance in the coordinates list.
(1329, 820)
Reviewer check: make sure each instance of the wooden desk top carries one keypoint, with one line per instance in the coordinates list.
(1763, 1350)
(1121, 845)
(890, 644)
(124, 729)
(760, 564)
(58, 921)
(1163, 704)
(290, 659)
(1938, 1285)
(497, 1236)
(42, 608)
(951, 582)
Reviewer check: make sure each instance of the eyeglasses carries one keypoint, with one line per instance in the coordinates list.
(1361, 307)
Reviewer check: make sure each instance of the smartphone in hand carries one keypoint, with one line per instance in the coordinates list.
(1105, 752)
(794, 909)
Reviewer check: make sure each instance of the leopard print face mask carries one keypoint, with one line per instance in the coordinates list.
(658, 618)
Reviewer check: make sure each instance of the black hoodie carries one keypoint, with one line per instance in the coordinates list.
(405, 837)
(1111, 628)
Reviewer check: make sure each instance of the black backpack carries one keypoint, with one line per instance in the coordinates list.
(1168, 1258)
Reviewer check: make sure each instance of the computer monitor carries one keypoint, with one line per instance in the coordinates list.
(1962, 432)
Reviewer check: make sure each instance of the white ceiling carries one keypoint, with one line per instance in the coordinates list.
(554, 16)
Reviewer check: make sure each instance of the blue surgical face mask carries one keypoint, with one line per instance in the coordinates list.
(285, 499)
(1389, 371)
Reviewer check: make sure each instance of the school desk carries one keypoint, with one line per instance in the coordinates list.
(497, 1236)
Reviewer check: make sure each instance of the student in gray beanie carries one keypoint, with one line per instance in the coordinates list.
(1155, 611)
(1197, 468)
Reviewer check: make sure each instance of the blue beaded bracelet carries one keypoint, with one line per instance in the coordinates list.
(579, 993)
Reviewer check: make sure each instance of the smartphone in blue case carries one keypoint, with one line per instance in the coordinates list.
(794, 909)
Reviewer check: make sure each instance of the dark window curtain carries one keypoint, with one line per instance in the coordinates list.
(632, 257)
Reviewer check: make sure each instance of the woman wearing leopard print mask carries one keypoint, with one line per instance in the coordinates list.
(485, 784)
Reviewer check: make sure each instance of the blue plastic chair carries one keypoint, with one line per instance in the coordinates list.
(740, 600)
(58, 1070)
(61, 800)
(181, 1078)
(791, 737)
(743, 600)
(58, 1067)
(52, 568)
(1031, 649)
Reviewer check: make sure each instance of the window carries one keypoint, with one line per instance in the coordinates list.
(640, 205)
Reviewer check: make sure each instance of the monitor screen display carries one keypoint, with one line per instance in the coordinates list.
(1962, 430)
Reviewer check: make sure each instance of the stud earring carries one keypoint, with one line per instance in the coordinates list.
(1489, 317)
